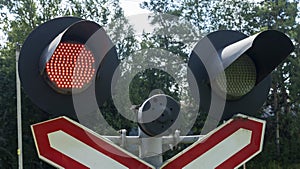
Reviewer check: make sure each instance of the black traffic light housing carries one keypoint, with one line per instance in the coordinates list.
(159, 115)
(58, 38)
(246, 63)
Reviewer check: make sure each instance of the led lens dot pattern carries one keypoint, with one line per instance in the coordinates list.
(71, 66)
(240, 78)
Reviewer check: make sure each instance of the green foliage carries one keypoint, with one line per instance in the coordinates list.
(18, 19)
(145, 82)
(249, 18)
(172, 35)
(7, 119)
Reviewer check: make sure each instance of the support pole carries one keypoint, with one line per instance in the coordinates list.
(19, 116)
(150, 149)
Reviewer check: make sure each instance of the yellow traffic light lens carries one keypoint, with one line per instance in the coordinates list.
(239, 79)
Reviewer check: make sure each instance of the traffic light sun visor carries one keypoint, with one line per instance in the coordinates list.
(64, 59)
(232, 67)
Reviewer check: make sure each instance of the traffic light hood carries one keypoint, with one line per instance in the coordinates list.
(74, 33)
(98, 59)
(267, 50)
(232, 70)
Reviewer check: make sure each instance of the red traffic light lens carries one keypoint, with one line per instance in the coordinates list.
(70, 68)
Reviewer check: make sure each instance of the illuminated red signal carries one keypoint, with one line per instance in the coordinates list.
(70, 67)
(67, 61)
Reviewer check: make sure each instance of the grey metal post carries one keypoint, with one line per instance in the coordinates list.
(19, 116)
(150, 149)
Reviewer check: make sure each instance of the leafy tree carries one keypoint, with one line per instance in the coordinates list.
(281, 15)
(171, 35)
(18, 19)
(249, 18)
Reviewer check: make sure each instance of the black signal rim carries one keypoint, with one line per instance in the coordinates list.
(33, 83)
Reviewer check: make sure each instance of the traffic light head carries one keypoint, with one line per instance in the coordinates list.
(67, 64)
(158, 115)
(64, 58)
(232, 67)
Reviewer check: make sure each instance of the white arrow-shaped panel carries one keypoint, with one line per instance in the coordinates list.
(222, 151)
(83, 153)
(228, 146)
(66, 144)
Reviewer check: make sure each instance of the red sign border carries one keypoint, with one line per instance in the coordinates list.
(213, 138)
(47, 153)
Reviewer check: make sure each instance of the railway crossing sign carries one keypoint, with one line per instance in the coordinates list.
(66, 144)
(228, 146)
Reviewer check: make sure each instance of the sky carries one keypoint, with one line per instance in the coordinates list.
(131, 7)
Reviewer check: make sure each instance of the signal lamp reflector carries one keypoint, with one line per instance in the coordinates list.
(70, 68)
(239, 79)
